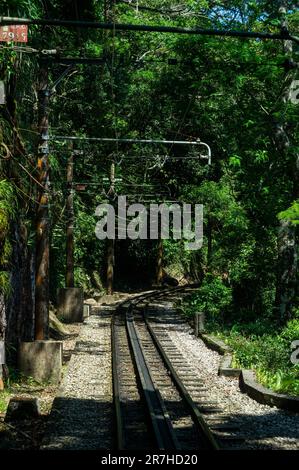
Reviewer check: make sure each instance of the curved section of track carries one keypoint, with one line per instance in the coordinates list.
(153, 408)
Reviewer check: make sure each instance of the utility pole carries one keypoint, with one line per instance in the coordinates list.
(42, 214)
(159, 254)
(69, 281)
(111, 242)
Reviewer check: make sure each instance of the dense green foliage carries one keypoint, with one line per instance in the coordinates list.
(7, 213)
(229, 92)
(256, 344)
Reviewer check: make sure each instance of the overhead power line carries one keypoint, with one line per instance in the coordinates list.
(53, 56)
(284, 35)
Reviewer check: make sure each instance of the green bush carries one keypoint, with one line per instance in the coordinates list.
(264, 352)
(281, 381)
(213, 298)
(260, 345)
(291, 331)
(267, 353)
(82, 279)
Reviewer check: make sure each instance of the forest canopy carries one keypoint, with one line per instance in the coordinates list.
(236, 94)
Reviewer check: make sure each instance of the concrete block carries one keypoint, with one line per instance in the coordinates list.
(70, 304)
(41, 360)
(199, 323)
(86, 310)
(225, 368)
(22, 408)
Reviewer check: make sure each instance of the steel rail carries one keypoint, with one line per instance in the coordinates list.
(116, 392)
(160, 421)
(208, 440)
(127, 304)
(157, 293)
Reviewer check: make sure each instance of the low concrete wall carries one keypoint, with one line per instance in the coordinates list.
(258, 392)
(247, 381)
(214, 343)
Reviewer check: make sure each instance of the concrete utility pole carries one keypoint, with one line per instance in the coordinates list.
(69, 281)
(42, 214)
(111, 243)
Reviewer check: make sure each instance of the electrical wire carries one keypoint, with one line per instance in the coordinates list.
(27, 195)
(10, 156)
(223, 63)
(28, 130)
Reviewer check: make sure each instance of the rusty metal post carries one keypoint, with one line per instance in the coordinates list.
(111, 244)
(69, 281)
(42, 214)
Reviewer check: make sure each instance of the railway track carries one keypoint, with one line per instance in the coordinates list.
(153, 406)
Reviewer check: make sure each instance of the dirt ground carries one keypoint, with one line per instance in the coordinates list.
(27, 434)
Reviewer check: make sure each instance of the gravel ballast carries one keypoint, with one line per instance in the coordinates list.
(81, 417)
(82, 414)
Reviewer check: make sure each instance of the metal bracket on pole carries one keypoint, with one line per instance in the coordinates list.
(137, 141)
(209, 156)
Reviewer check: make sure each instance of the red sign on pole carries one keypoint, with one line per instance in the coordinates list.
(14, 33)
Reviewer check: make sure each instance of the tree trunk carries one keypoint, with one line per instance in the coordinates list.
(2, 338)
(209, 236)
(70, 282)
(20, 302)
(159, 275)
(111, 243)
(108, 10)
(287, 247)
